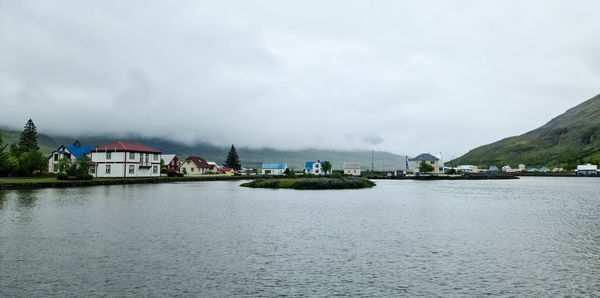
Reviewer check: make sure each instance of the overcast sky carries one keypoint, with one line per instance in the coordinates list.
(402, 76)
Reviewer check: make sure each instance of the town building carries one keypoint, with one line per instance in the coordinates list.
(315, 168)
(273, 168)
(587, 170)
(194, 166)
(413, 163)
(72, 153)
(352, 168)
(125, 159)
(225, 171)
(467, 169)
(170, 161)
(213, 167)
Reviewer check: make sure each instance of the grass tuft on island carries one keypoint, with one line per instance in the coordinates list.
(311, 183)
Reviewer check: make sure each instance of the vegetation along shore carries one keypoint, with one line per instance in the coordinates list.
(312, 183)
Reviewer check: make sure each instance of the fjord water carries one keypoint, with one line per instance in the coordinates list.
(529, 237)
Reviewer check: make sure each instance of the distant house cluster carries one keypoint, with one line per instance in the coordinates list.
(124, 159)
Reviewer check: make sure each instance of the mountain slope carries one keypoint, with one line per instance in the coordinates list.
(252, 158)
(567, 140)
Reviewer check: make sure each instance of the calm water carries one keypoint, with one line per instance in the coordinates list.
(532, 237)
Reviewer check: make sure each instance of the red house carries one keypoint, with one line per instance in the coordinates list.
(170, 161)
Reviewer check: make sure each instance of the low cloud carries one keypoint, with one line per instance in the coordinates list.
(399, 76)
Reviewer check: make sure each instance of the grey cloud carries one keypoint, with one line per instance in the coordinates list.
(407, 77)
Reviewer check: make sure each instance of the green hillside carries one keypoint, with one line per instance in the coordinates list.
(251, 158)
(568, 140)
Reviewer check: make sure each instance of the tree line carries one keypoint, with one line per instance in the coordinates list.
(24, 158)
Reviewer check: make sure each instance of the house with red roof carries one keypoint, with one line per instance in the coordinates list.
(195, 166)
(125, 159)
(225, 171)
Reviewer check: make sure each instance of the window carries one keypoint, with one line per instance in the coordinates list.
(131, 169)
(92, 170)
(107, 169)
(154, 169)
(55, 156)
(131, 155)
(155, 156)
(107, 155)
(191, 169)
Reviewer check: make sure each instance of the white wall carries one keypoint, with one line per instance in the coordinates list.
(353, 172)
(120, 163)
(273, 171)
(413, 165)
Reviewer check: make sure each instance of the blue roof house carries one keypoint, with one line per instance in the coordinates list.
(273, 168)
(73, 153)
(314, 168)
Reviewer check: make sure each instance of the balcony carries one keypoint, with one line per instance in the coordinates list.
(145, 164)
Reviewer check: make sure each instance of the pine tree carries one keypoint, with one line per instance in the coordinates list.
(28, 140)
(233, 160)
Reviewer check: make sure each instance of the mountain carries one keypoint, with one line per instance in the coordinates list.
(251, 158)
(568, 140)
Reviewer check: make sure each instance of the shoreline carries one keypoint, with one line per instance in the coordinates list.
(116, 181)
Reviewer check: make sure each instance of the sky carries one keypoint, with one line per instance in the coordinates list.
(402, 76)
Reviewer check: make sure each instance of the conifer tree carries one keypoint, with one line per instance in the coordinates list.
(233, 160)
(28, 140)
(76, 143)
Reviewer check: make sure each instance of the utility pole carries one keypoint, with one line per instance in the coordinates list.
(372, 163)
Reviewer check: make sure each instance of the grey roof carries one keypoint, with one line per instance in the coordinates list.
(167, 158)
(425, 156)
(352, 165)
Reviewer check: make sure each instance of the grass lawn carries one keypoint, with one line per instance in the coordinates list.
(50, 179)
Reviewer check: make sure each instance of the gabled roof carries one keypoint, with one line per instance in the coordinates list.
(281, 166)
(352, 165)
(224, 170)
(167, 158)
(198, 161)
(76, 151)
(122, 146)
(425, 156)
(79, 151)
(309, 165)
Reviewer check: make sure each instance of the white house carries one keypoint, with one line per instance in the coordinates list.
(315, 168)
(467, 169)
(273, 168)
(125, 159)
(413, 163)
(73, 153)
(587, 170)
(196, 166)
(352, 168)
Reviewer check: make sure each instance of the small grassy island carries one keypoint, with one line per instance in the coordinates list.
(311, 183)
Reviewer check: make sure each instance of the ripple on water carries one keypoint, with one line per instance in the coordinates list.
(528, 237)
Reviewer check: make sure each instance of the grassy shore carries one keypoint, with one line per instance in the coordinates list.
(45, 182)
(311, 183)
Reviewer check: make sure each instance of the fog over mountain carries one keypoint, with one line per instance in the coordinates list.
(404, 77)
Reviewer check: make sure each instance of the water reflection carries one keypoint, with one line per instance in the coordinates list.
(26, 198)
(2, 199)
(533, 237)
